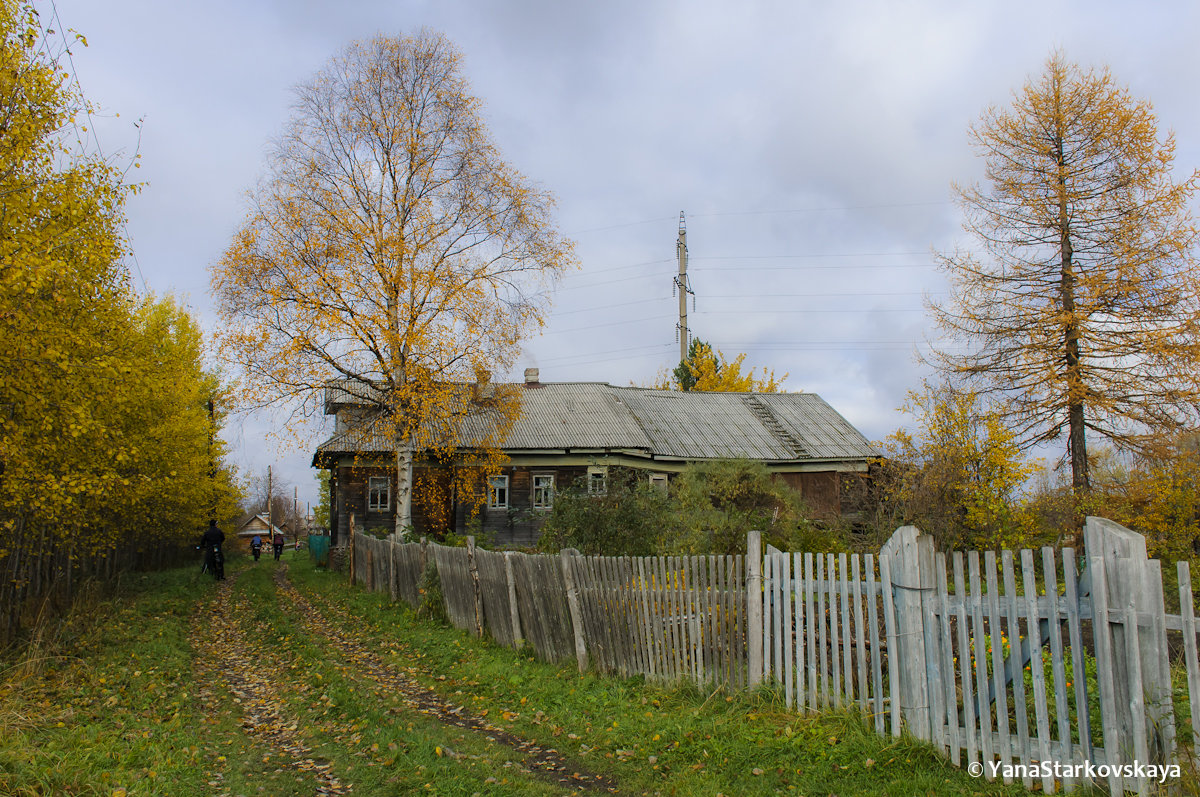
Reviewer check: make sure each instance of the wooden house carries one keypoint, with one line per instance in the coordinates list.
(258, 524)
(579, 432)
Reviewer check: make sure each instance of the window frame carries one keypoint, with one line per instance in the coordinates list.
(496, 485)
(546, 490)
(597, 487)
(372, 505)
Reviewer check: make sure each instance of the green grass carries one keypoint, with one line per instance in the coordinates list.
(117, 707)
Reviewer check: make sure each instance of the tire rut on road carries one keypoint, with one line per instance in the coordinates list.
(224, 652)
(545, 762)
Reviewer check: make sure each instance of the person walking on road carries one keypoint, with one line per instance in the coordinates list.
(277, 544)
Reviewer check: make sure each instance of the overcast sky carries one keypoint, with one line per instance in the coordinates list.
(811, 146)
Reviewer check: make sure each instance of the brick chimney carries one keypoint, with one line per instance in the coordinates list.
(531, 377)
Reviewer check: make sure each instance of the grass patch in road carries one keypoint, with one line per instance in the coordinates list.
(373, 740)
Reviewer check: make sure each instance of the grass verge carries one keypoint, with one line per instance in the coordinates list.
(119, 711)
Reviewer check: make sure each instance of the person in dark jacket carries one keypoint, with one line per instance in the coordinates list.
(277, 544)
(210, 543)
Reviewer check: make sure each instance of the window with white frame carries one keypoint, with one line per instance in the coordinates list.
(379, 494)
(597, 480)
(498, 492)
(543, 490)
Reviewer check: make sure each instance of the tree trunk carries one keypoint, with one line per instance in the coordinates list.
(404, 482)
(1077, 431)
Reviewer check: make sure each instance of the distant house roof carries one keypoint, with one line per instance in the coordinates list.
(656, 424)
(256, 525)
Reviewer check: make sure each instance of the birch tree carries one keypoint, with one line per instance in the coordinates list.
(389, 247)
(707, 371)
(1079, 315)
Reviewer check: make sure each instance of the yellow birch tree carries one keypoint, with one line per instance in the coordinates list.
(707, 371)
(1081, 315)
(391, 248)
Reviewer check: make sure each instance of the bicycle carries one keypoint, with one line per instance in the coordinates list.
(214, 562)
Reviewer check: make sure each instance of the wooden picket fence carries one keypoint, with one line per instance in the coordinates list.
(1030, 666)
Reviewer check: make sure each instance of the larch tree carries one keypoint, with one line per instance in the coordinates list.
(1081, 315)
(707, 371)
(391, 248)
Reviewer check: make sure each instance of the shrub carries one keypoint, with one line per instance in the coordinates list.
(717, 503)
(626, 521)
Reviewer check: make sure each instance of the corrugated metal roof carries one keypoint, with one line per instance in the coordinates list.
(775, 427)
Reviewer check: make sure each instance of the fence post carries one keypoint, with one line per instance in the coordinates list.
(573, 606)
(904, 554)
(1131, 581)
(353, 579)
(393, 587)
(514, 612)
(754, 608)
(473, 568)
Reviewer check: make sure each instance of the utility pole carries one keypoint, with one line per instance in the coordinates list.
(210, 405)
(270, 523)
(682, 288)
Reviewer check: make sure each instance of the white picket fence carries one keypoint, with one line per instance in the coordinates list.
(997, 658)
(1040, 661)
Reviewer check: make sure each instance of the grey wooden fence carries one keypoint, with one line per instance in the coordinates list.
(1019, 658)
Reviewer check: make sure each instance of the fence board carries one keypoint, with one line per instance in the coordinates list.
(876, 647)
(1141, 751)
(1191, 658)
(860, 637)
(1104, 675)
(812, 621)
(823, 641)
(1017, 679)
(835, 658)
(999, 690)
(980, 656)
(1078, 669)
(847, 657)
(946, 646)
(889, 621)
(970, 743)
(1036, 664)
(1057, 665)
(493, 585)
(796, 600)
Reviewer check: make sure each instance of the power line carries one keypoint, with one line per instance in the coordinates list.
(607, 282)
(822, 209)
(624, 322)
(608, 306)
(610, 269)
(590, 355)
(774, 212)
(773, 311)
(841, 266)
(827, 295)
(811, 255)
